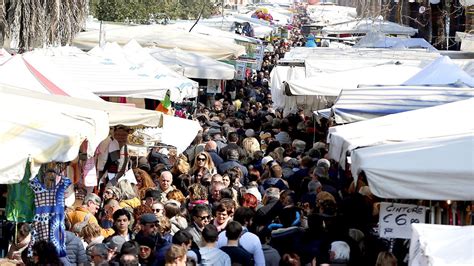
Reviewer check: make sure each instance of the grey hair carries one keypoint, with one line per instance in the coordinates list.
(341, 251)
(100, 249)
(313, 185)
(126, 190)
(92, 197)
(272, 192)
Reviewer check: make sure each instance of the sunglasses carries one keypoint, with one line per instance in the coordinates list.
(201, 159)
(153, 224)
(208, 217)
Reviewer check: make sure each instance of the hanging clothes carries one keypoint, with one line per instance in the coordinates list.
(20, 200)
(49, 216)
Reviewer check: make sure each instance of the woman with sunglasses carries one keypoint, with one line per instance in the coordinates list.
(202, 162)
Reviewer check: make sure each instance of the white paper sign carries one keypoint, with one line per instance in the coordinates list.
(395, 219)
(240, 68)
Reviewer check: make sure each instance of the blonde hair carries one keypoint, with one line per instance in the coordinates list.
(165, 224)
(251, 145)
(175, 252)
(90, 231)
(208, 163)
(126, 190)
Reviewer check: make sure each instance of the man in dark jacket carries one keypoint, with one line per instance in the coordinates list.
(232, 161)
(232, 140)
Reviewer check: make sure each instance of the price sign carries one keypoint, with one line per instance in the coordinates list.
(395, 219)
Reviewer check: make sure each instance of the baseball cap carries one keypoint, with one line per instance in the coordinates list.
(148, 218)
(266, 159)
(115, 243)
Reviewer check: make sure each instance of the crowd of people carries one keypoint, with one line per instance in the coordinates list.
(254, 188)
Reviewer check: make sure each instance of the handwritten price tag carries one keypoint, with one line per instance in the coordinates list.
(395, 219)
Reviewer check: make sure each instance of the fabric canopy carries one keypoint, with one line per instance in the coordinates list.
(380, 40)
(369, 102)
(136, 59)
(261, 28)
(436, 245)
(71, 68)
(43, 132)
(33, 79)
(367, 25)
(331, 84)
(194, 65)
(173, 133)
(118, 114)
(441, 71)
(428, 169)
(163, 37)
(418, 124)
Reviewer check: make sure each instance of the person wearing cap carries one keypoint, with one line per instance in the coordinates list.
(210, 254)
(146, 246)
(114, 245)
(149, 229)
(152, 196)
(86, 214)
(98, 254)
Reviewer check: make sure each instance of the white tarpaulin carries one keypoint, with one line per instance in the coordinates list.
(193, 65)
(380, 40)
(73, 69)
(437, 245)
(136, 59)
(367, 25)
(441, 71)
(428, 169)
(369, 102)
(418, 124)
(163, 37)
(179, 132)
(43, 132)
(331, 84)
(227, 23)
(118, 114)
(33, 79)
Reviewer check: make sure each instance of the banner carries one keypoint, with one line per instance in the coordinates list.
(395, 219)
(214, 86)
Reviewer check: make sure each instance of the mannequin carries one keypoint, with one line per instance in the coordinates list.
(49, 187)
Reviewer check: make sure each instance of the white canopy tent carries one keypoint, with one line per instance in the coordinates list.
(163, 37)
(41, 132)
(419, 124)
(118, 114)
(441, 71)
(380, 40)
(33, 79)
(436, 245)
(193, 65)
(71, 68)
(367, 25)
(331, 84)
(261, 28)
(429, 168)
(329, 14)
(136, 59)
(374, 101)
(213, 32)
